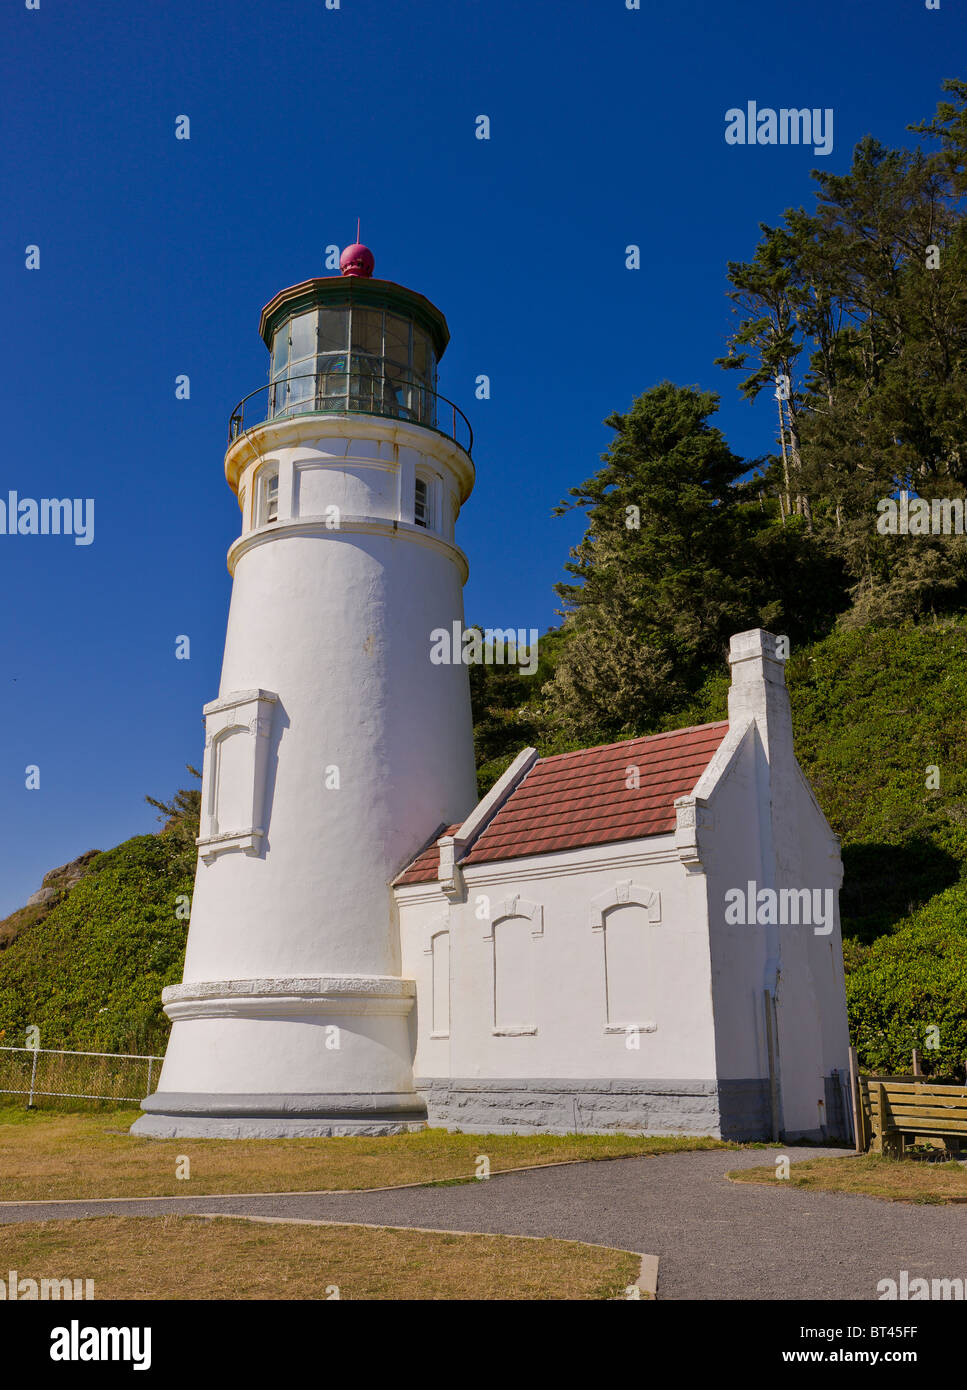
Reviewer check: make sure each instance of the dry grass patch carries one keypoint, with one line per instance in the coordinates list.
(183, 1257)
(871, 1175)
(44, 1154)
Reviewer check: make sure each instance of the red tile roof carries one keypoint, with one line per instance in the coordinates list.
(573, 800)
(423, 868)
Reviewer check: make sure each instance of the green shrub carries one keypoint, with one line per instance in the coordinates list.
(909, 982)
(90, 975)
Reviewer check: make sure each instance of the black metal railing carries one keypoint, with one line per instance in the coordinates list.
(335, 393)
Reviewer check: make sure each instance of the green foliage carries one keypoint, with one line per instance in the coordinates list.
(181, 818)
(909, 982)
(90, 975)
(872, 711)
(860, 307)
(676, 558)
(508, 713)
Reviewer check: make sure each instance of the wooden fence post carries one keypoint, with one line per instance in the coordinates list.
(879, 1125)
(859, 1120)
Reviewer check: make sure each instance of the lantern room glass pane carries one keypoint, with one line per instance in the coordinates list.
(398, 340)
(280, 352)
(333, 330)
(366, 383)
(395, 394)
(303, 335)
(278, 397)
(301, 386)
(332, 380)
(421, 353)
(368, 331)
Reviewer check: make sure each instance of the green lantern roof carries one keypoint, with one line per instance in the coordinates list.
(331, 291)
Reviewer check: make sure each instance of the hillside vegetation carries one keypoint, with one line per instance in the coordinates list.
(873, 711)
(90, 974)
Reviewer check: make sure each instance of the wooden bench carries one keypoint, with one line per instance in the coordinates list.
(907, 1107)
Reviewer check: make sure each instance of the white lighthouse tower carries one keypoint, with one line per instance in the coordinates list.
(336, 747)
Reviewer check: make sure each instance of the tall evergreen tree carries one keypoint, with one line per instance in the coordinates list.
(862, 304)
(675, 559)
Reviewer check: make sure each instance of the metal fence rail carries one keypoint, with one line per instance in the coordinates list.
(368, 393)
(47, 1071)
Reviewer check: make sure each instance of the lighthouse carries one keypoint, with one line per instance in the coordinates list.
(336, 749)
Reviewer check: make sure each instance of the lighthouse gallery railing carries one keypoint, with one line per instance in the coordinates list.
(325, 393)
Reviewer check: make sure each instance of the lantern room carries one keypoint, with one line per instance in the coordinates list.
(352, 343)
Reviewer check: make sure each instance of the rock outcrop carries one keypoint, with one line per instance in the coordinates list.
(55, 885)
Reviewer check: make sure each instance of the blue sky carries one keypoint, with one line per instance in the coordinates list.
(156, 256)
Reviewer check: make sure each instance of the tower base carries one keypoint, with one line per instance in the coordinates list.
(170, 1115)
(253, 1053)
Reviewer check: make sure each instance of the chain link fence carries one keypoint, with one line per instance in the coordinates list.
(35, 1072)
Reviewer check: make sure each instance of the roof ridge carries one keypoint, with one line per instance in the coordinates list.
(637, 738)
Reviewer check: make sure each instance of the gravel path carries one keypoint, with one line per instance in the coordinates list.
(715, 1239)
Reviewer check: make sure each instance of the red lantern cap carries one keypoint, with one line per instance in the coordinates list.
(357, 260)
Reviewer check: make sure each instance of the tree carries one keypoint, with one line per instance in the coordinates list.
(859, 308)
(677, 557)
(181, 817)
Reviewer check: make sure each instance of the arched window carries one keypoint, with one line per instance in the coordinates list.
(627, 916)
(517, 926)
(230, 790)
(513, 975)
(632, 981)
(440, 963)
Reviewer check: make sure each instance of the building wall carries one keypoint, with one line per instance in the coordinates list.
(579, 994)
(802, 969)
(812, 1024)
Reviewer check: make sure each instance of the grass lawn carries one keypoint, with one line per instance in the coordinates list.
(50, 1154)
(872, 1175)
(183, 1257)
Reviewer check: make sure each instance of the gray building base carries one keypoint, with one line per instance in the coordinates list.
(722, 1110)
(176, 1115)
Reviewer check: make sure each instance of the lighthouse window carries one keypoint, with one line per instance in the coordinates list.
(421, 503)
(268, 497)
